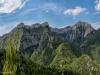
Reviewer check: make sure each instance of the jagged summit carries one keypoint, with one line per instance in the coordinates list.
(20, 25)
(81, 24)
(83, 27)
(39, 31)
(76, 32)
(36, 25)
(45, 24)
(78, 25)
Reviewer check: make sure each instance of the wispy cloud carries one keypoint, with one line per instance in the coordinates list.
(8, 6)
(23, 4)
(74, 11)
(45, 7)
(97, 6)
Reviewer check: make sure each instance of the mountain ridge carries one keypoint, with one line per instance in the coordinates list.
(73, 33)
(66, 48)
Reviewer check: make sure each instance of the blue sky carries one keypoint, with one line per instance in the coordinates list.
(58, 13)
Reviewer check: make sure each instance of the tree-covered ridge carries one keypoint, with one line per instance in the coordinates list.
(63, 56)
(64, 62)
(85, 66)
(15, 63)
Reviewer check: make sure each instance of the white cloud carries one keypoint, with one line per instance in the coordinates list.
(75, 11)
(8, 6)
(96, 25)
(97, 6)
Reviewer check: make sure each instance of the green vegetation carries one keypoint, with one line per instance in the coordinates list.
(27, 67)
(15, 63)
(10, 66)
(61, 61)
(42, 57)
(63, 56)
(85, 66)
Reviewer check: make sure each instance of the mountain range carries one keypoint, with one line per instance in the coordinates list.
(61, 48)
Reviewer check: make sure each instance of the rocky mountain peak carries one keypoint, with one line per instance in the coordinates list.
(32, 35)
(83, 27)
(36, 25)
(45, 24)
(20, 25)
(76, 32)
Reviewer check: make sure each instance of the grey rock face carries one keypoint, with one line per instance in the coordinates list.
(75, 33)
(34, 37)
(84, 28)
(37, 36)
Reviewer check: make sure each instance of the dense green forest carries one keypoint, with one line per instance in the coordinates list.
(15, 63)
(64, 62)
